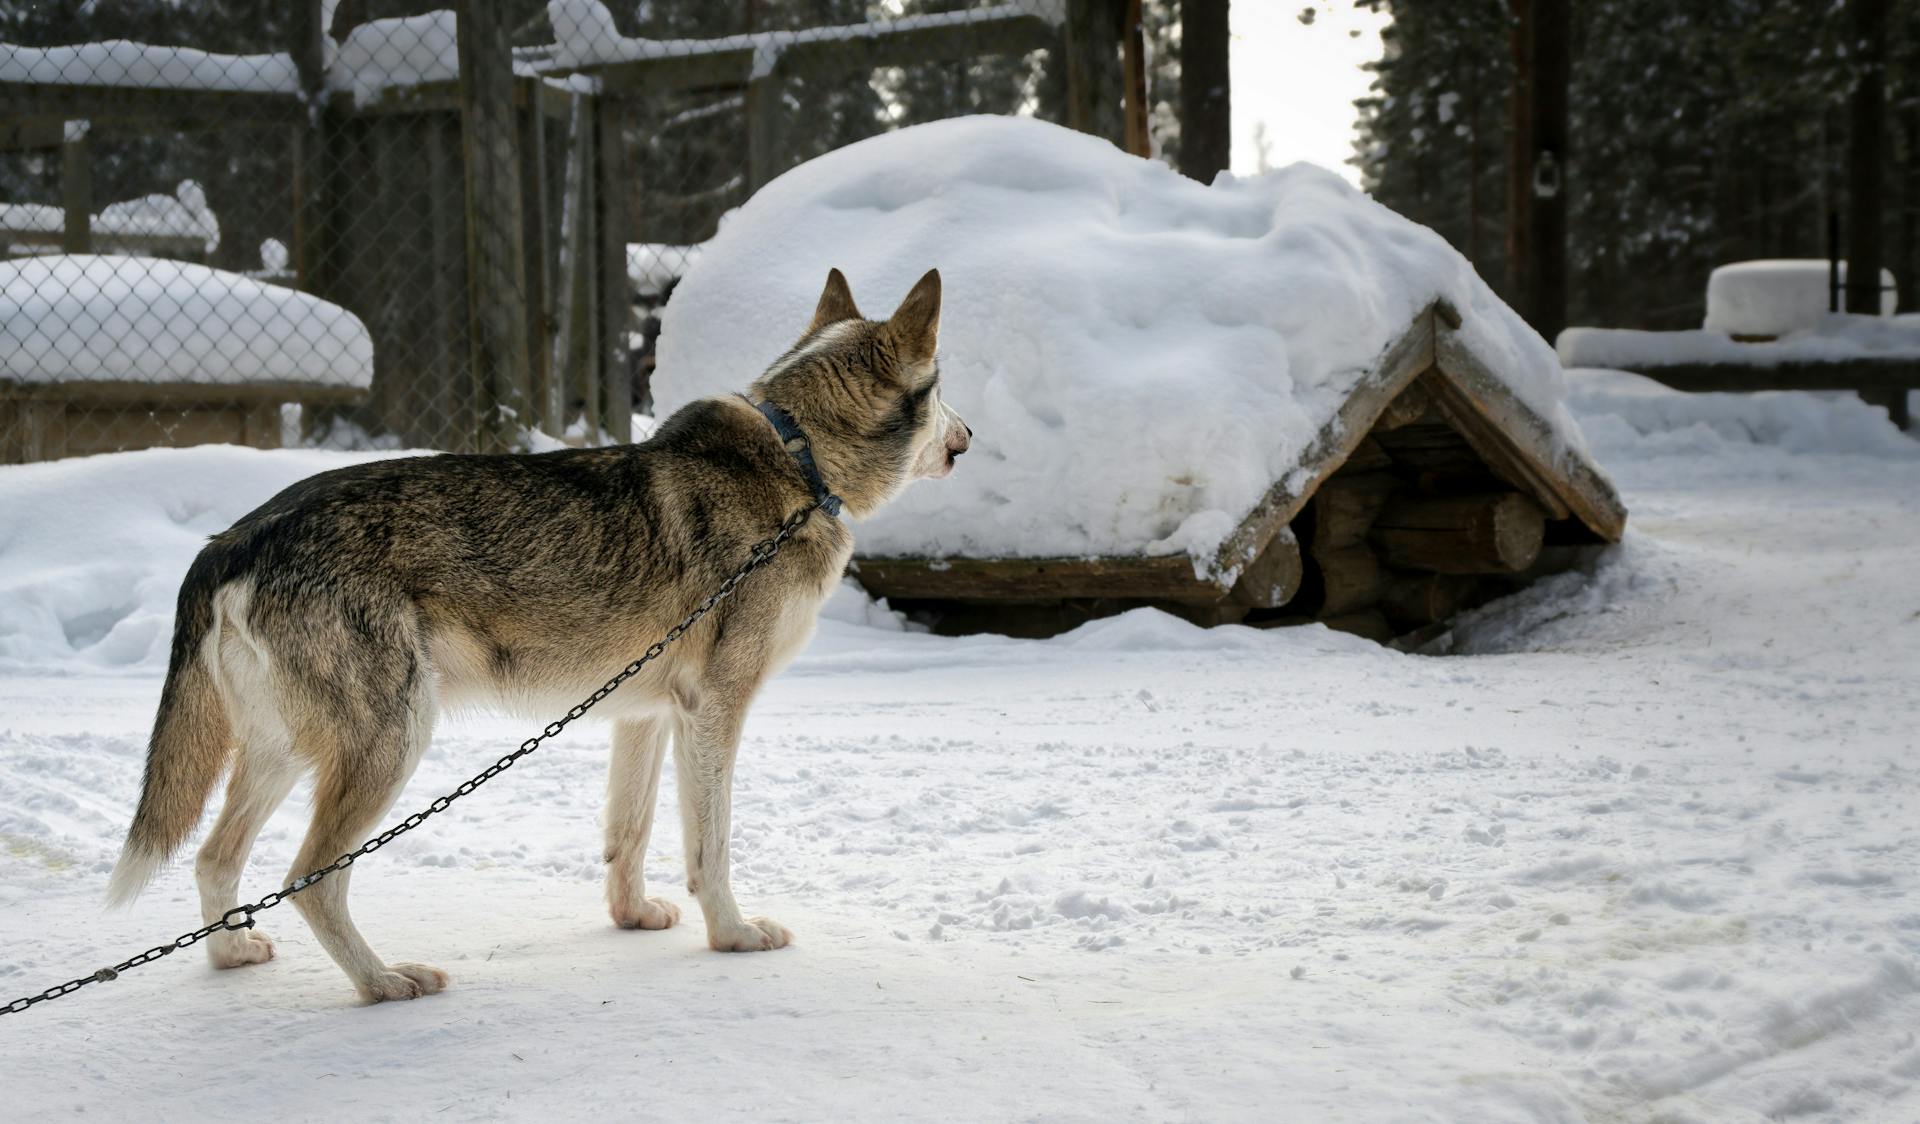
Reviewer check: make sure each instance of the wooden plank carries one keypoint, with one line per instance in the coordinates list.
(455, 391)
(1848, 374)
(76, 189)
(694, 64)
(496, 264)
(165, 107)
(102, 392)
(1491, 416)
(1163, 577)
(615, 230)
(1405, 359)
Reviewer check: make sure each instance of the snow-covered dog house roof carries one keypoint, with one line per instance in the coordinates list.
(1160, 374)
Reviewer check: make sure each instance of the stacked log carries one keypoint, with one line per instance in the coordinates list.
(1415, 527)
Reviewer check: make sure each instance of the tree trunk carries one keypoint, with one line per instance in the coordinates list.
(1206, 103)
(1520, 157)
(1095, 85)
(1867, 128)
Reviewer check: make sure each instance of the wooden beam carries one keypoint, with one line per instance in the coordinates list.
(160, 106)
(1167, 577)
(76, 190)
(1274, 577)
(615, 290)
(120, 392)
(692, 64)
(304, 38)
(1838, 374)
(1491, 416)
(495, 253)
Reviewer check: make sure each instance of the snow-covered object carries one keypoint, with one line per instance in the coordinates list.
(584, 33)
(100, 317)
(405, 51)
(119, 62)
(183, 214)
(1140, 356)
(1832, 337)
(652, 266)
(1775, 297)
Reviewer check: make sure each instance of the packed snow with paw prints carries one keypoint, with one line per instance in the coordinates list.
(1140, 356)
(1642, 849)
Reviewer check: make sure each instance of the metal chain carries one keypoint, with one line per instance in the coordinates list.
(241, 916)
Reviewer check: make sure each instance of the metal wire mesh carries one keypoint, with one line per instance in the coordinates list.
(362, 224)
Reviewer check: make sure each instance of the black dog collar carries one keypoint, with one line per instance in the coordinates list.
(795, 440)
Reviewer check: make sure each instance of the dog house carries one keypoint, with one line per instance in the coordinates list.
(1432, 489)
(1264, 400)
(100, 353)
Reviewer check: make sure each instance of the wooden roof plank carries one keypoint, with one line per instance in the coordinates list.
(1485, 406)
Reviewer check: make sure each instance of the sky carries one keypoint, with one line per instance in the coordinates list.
(1299, 80)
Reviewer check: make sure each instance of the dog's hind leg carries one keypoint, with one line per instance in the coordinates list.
(633, 791)
(704, 748)
(365, 763)
(261, 779)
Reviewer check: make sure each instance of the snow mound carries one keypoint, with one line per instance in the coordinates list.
(1630, 417)
(1777, 296)
(92, 549)
(1140, 356)
(109, 318)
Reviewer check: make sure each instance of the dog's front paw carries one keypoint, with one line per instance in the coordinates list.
(404, 981)
(648, 913)
(756, 934)
(232, 950)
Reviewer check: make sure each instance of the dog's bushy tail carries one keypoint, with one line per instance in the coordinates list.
(192, 739)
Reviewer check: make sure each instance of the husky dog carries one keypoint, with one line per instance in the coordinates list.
(325, 631)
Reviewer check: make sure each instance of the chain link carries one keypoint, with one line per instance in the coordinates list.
(241, 916)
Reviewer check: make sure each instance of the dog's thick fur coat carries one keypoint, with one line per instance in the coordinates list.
(326, 630)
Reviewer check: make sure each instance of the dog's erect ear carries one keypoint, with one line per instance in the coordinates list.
(916, 323)
(836, 303)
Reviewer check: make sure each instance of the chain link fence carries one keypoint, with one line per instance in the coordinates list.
(379, 225)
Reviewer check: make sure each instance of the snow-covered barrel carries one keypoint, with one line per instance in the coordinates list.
(1160, 374)
(100, 353)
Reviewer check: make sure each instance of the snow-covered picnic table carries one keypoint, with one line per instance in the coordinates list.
(100, 352)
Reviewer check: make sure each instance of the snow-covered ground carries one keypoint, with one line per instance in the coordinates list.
(1646, 850)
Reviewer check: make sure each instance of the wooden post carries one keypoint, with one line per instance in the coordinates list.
(1866, 127)
(616, 301)
(763, 128)
(1138, 131)
(1520, 155)
(1546, 304)
(1206, 101)
(308, 155)
(495, 255)
(1094, 84)
(76, 189)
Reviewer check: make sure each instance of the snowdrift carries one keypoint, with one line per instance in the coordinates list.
(1140, 356)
